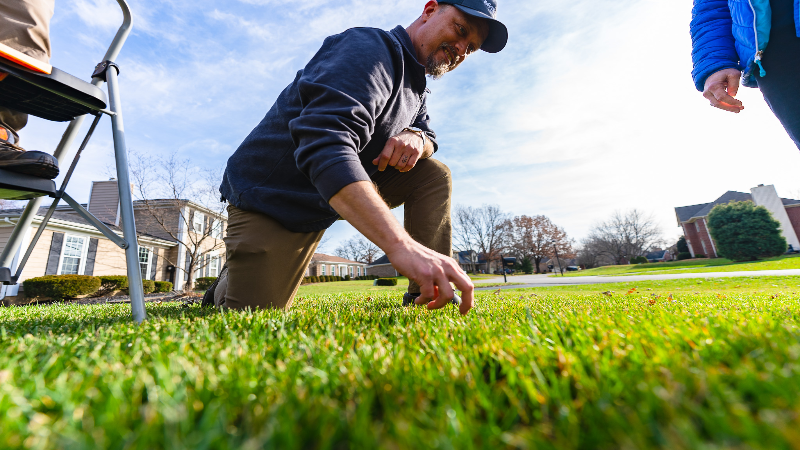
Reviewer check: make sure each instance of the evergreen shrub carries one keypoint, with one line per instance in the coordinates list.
(639, 260)
(60, 287)
(386, 282)
(684, 255)
(112, 283)
(149, 286)
(203, 283)
(743, 231)
(163, 286)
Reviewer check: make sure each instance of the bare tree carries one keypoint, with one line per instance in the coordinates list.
(358, 248)
(536, 238)
(164, 187)
(623, 236)
(479, 229)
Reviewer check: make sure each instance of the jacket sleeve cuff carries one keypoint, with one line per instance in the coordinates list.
(336, 176)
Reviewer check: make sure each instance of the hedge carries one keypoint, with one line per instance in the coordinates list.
(639, 260)
(60, 287)
(112, 283)
(386, 282)
(367, 277)
(699, 255)
(149, 286)
(163, 286)
(684, 255)
(323, 279)
(203, 283)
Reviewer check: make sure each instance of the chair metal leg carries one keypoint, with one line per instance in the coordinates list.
(126, 201)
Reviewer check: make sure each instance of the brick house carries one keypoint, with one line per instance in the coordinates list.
(322, 264)
(69, 245)
(381, 267)
(694, 218)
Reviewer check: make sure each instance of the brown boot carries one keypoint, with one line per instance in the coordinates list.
(16, 159)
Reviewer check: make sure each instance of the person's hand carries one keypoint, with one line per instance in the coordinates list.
(721, 88)
(433, 272)
(401, 152)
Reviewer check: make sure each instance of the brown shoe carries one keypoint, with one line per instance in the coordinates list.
(16, 159)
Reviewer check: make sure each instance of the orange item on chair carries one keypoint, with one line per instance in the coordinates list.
(3, 134)
(25, 60)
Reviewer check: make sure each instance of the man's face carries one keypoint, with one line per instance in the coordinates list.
(448, 37)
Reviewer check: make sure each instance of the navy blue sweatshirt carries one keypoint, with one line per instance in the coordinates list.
(362, 87)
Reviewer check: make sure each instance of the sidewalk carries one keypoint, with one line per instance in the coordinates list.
(526, 281)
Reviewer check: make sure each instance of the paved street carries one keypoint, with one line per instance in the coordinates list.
(546, 280)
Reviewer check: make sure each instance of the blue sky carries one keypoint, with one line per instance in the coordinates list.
(589, 109)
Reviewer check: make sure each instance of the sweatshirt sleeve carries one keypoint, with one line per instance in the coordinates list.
(713, 45)
(343, 89)
(423, 122)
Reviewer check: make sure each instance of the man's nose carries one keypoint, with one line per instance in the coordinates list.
(461, 49)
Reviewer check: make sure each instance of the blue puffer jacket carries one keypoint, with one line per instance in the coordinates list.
(731, 34)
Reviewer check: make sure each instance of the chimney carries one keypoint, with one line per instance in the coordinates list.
(767, 197)
(104, 201)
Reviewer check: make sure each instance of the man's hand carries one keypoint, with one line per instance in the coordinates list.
(361, 205)
(433, 272)
(721, 88)
(403, 151)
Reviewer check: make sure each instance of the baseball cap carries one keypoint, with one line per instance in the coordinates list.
(485, 9)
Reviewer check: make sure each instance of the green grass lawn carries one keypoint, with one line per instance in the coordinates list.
(693, 266)
(715, 366)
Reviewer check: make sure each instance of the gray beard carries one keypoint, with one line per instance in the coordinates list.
(436, 70)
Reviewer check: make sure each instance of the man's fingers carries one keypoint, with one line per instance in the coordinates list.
(398, 153)
(412, 161)
(445, 294)
(467, 301)
(383, 159)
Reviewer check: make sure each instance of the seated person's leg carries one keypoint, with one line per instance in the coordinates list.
(24, 26)
(425, 191)
(265, 262)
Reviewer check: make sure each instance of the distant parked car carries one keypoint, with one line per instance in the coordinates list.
(573, 268)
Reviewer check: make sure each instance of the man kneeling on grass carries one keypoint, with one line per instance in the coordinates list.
(350, 138)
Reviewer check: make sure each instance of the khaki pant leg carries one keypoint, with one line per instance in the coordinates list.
(266, 262)
(25, 27)
(425, 191)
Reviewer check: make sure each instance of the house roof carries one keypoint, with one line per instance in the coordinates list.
(382, 261)
(687, 213)
(656, 255)
(464, 257)
(66, 214)
(320, 257)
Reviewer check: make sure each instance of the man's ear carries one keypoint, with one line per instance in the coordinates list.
(430, 9)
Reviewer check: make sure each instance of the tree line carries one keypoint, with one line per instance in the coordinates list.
(490, 232)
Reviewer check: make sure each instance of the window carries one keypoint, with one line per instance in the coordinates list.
(359, 271)
(333, 270)
(351, 272)
(198, 222)
(216, 229)
(213, 268)
(323, 270)
(145, 259)
(72, 255)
